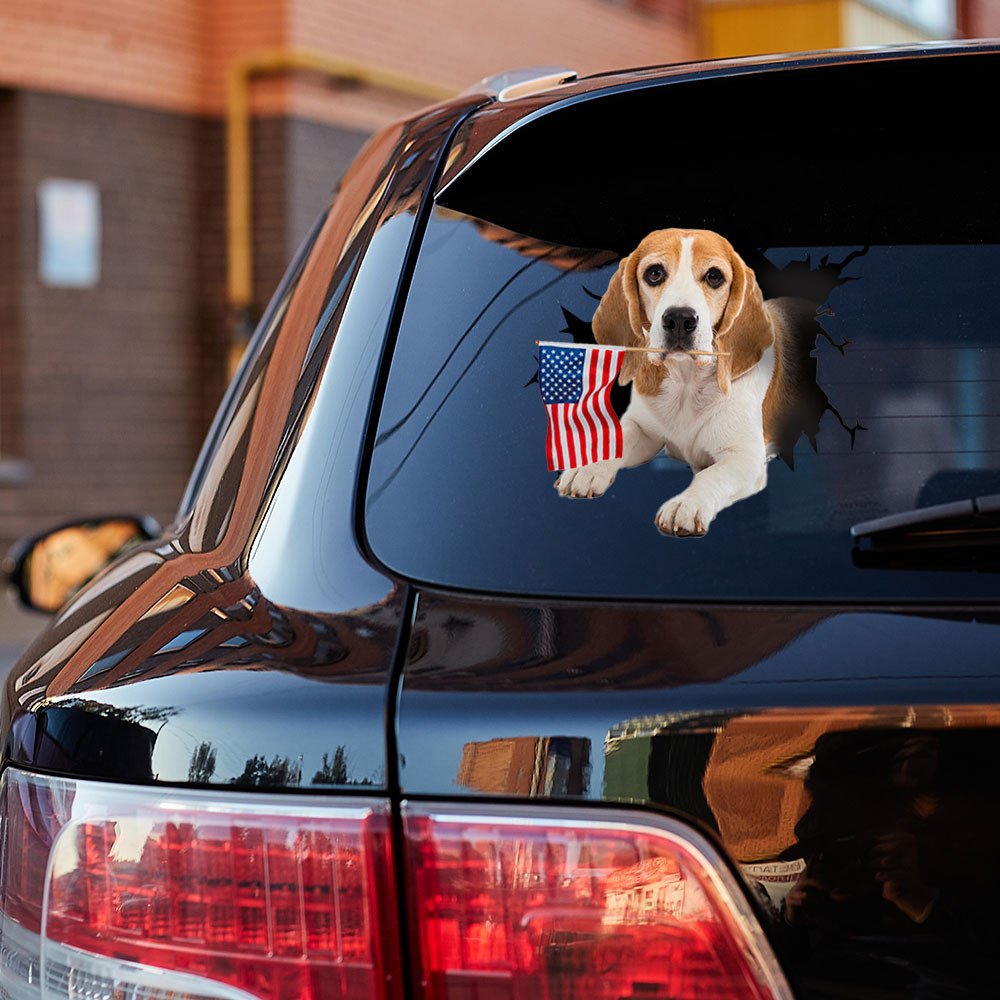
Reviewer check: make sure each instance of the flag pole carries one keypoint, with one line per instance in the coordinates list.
(640, 350)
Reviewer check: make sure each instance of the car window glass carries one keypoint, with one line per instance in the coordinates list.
(304, 555)
(906, 364)
(251, 368)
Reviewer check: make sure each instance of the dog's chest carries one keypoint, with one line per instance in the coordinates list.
(686, 398)
(687, 402)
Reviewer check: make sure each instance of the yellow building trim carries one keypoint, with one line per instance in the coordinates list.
(239, 221)
(754, 27)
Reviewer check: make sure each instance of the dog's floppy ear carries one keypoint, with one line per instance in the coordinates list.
(620, 318)
(744, 330)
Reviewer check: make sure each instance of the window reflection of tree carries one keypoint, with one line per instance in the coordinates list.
(285, 772)
(202, 766)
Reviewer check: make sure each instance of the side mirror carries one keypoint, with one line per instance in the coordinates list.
(47, 569)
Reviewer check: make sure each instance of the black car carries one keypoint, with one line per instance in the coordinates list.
(382, 714)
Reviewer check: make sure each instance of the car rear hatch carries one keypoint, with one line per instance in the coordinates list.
(822, 704)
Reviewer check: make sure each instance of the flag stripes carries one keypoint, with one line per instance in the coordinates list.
(576, 386)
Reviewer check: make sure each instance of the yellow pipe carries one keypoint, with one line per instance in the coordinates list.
(239, 222)
(239, 263)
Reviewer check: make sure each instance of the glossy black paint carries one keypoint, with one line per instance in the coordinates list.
(479, 671)
(246, 693)
(841, 757)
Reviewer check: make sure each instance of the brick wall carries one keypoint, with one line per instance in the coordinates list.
(105, 393)
(296, 165)
(211, 266)
(979, 18)
(174, 54)
(137, 51)
(109, 407)
(455, 42)
(9, 286)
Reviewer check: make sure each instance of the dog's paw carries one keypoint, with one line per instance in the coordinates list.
(684, 516)
(587, 481)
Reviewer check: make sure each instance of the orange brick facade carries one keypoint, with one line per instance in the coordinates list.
(174, 54)
(105, 392)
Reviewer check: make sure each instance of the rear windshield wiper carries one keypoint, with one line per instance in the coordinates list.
(964, 534)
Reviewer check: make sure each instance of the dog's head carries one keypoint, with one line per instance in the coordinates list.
(683, 290)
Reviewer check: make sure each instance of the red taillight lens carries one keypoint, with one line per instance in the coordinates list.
(556, 905)
(235, 895)
(112, 891)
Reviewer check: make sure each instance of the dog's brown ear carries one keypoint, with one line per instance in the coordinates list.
(744, 330)
(620, 318)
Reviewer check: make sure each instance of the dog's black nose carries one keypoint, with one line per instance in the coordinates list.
(680, 320)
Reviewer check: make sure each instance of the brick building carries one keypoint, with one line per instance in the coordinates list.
(107, 381)
(106, 389)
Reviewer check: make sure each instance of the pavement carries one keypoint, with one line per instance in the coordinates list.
(18, 627)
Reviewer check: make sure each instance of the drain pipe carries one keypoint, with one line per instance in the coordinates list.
(239, 219)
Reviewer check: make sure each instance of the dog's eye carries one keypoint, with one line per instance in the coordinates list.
(655, 274)
(714, 277)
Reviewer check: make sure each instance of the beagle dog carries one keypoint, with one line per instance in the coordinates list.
(682, 290)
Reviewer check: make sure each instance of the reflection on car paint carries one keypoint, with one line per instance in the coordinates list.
(126, 720)
(849, 824)
(544, 766)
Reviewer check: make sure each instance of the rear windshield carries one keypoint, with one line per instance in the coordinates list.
(896, 352)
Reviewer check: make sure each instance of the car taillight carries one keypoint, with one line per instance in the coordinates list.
(107, 891)
(116, 892)
(557, 904)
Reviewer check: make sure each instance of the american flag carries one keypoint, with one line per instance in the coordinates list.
(576, 385)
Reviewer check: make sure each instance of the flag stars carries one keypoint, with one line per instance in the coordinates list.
(561, 373)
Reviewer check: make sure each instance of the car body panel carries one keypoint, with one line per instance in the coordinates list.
(497, 120)
(800, 739)
(485, 671)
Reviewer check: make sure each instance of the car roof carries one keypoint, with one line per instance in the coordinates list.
(492, 122)
(807, 150)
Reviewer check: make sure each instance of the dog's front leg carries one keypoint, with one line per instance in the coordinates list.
(736, 473)
(594, 479)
